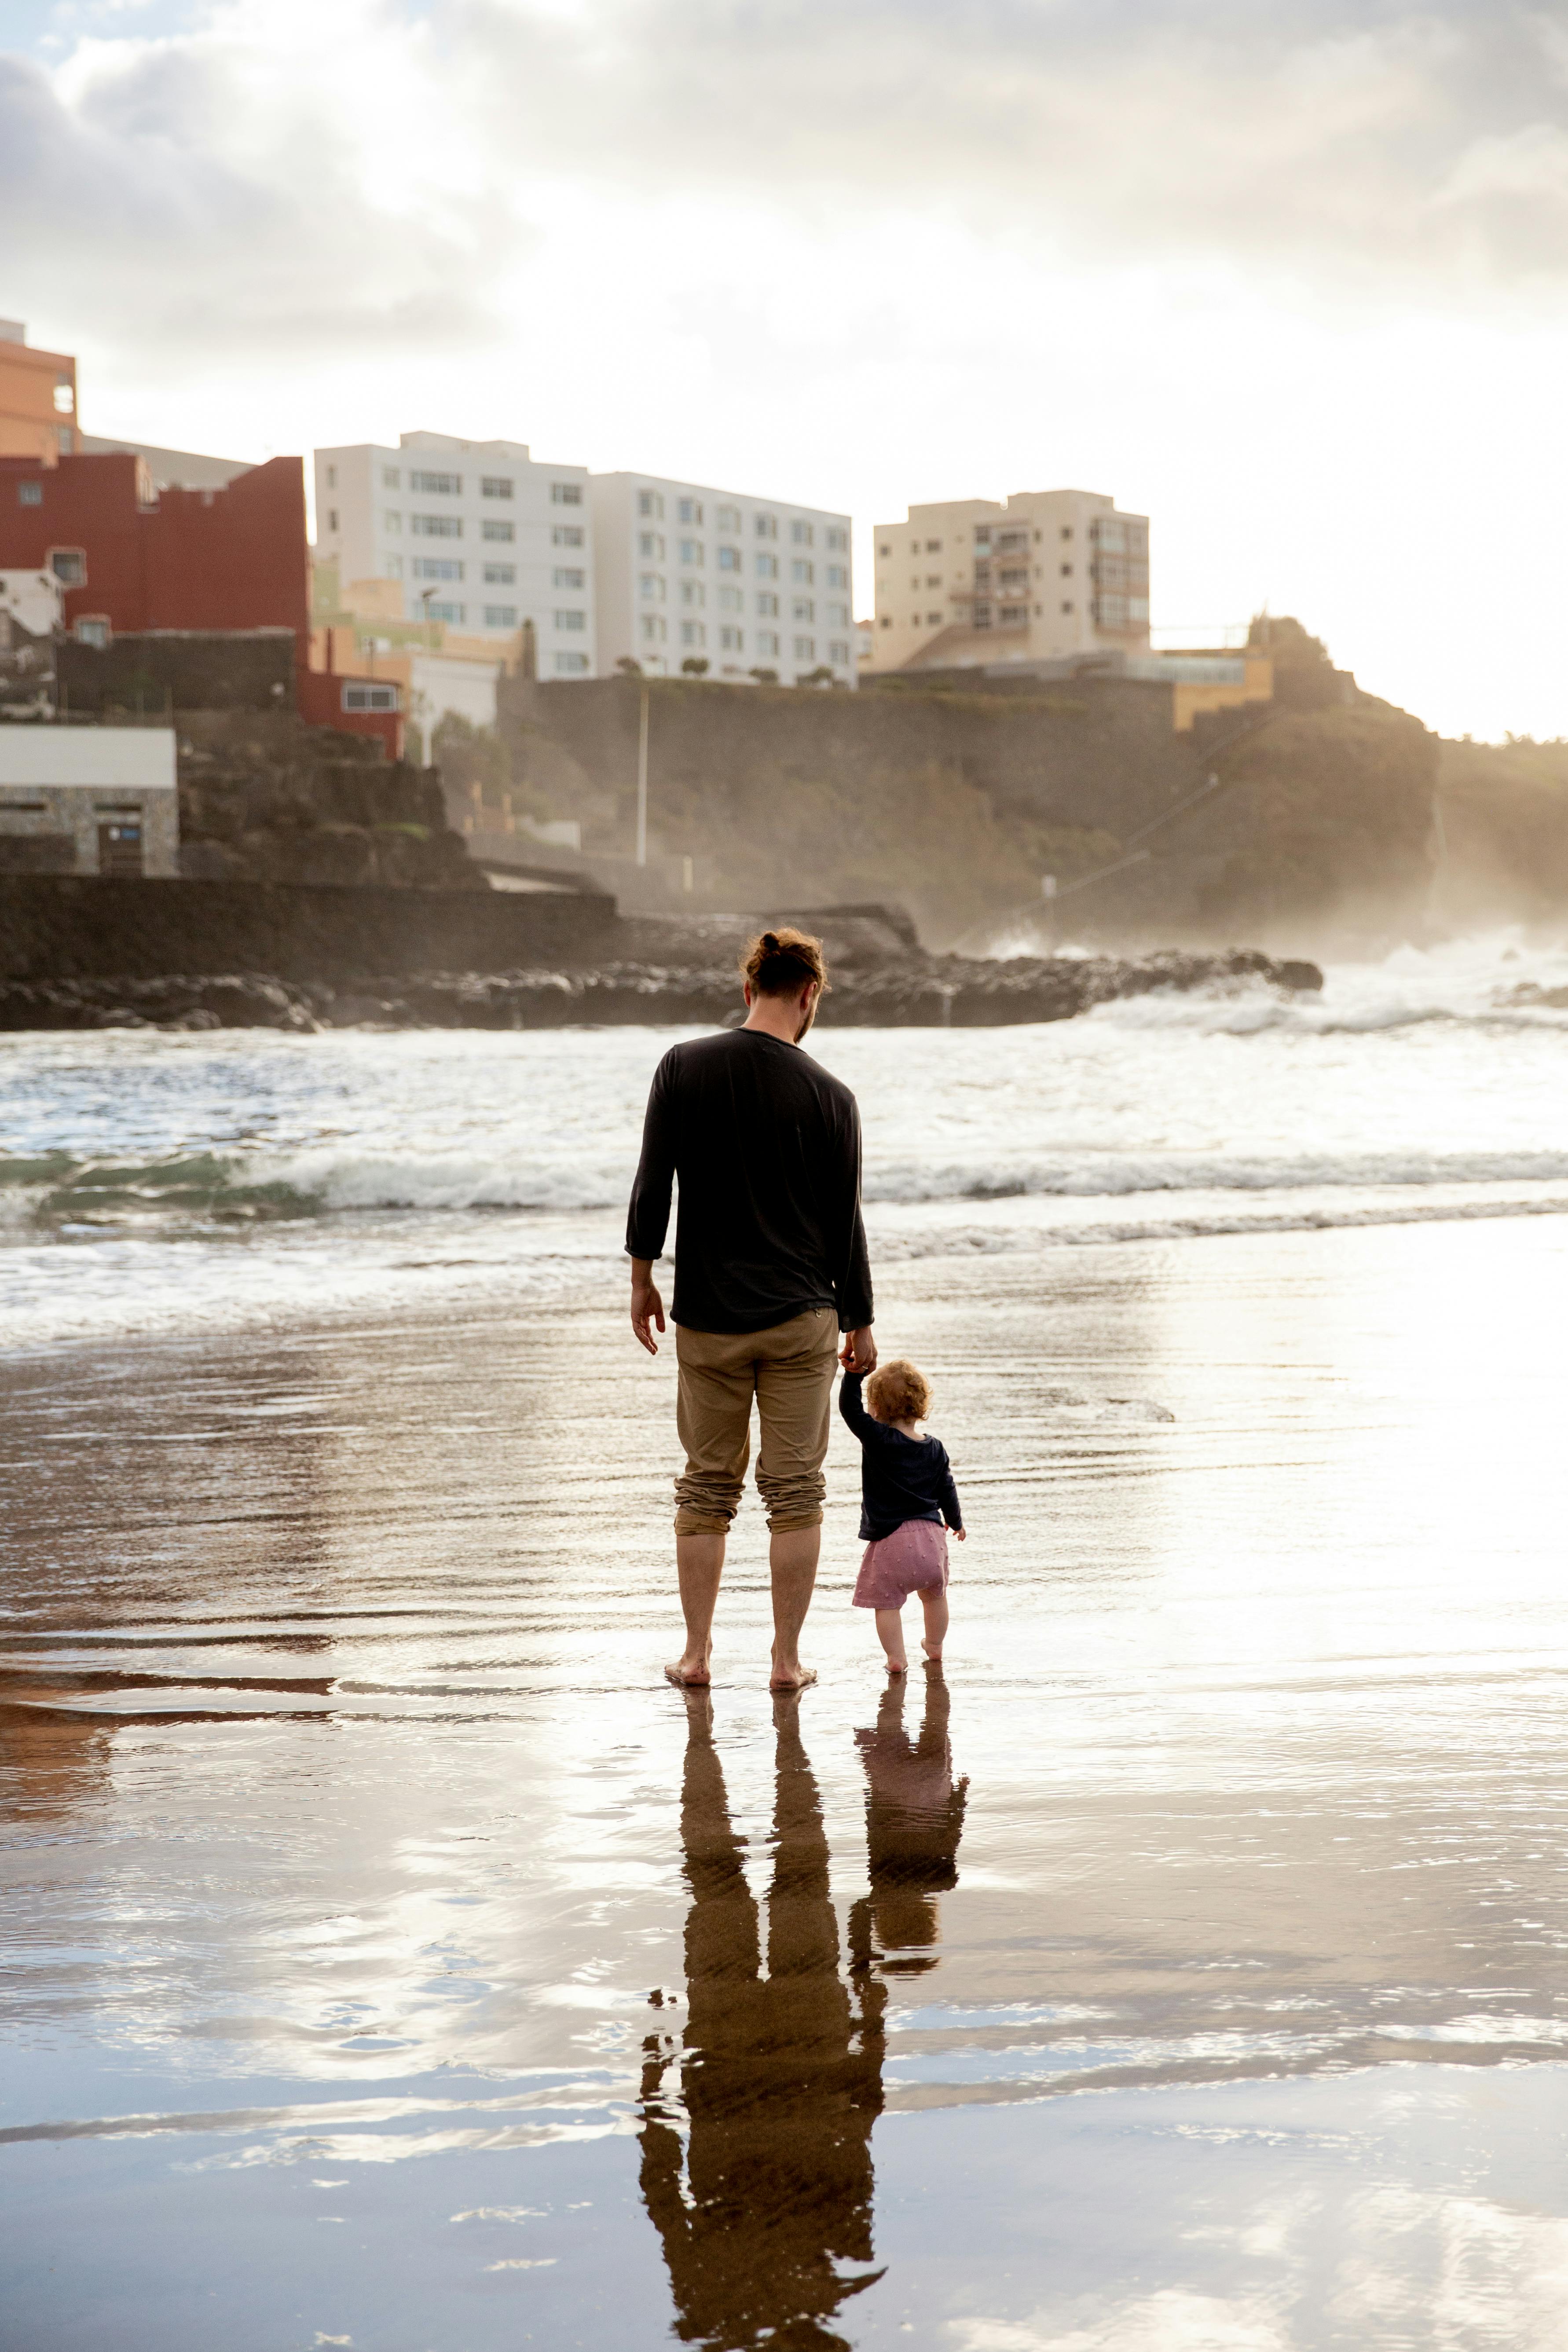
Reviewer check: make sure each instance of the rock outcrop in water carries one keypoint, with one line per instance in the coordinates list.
(912, 991)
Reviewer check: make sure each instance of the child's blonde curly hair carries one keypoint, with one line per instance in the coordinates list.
(899, 1390)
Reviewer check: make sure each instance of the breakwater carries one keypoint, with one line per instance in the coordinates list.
(935, 991)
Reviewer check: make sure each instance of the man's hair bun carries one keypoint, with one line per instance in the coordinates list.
(780, 963)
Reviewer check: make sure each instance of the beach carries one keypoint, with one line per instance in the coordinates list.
(392, 1958)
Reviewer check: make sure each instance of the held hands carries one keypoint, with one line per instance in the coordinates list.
(858, 1353)
(647, 1308)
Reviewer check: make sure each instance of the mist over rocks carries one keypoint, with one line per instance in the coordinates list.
(911, 992)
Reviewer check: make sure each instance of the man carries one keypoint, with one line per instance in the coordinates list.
(770, 1267)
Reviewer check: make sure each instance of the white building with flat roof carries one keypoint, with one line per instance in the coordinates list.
(88, 800)
(477, 533)
(746, 585)
(1046, 575)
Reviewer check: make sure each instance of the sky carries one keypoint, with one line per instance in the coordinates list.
(1287, 275)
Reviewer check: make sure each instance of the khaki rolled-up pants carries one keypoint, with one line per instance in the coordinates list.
(789, 1371)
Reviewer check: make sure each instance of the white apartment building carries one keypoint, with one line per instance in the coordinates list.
(479, 536)
(685, 573)
(1044, 576)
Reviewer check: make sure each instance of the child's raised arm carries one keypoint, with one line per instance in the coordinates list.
(850, 1406)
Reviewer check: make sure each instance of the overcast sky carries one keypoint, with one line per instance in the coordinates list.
(1287, 275)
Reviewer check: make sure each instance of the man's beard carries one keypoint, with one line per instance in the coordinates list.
(810, 1017)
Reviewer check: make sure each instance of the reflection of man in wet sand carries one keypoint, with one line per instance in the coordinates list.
(781, 2080)
(914, 1819)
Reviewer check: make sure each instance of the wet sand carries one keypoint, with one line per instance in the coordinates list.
(391, 1958)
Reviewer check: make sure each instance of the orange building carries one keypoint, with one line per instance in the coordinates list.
(38, 399)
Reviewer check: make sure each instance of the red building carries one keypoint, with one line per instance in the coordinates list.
(131, 558)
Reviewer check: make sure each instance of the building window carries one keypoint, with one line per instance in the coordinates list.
(1067, 570)
(332, 477)
(391, 478)
(768, 641)
(1067, 608)
(500, 575)
(650, 587)
(571, 619)
(835, 539)
(651, 502)
(731, 641)
(68, 565)
(727, 518)
(689, 509)
(838, 650)
(802, 573)
(92, 629)
(693, 633)
(766, 526)
(767, 567)
(886, 620)
(360, 696)
(729, 559)
(933, 620)
(692, 592)
(767, 602)
(802, 609)
(568, 575)
(837, 577)
(30, 494)
(655, 629)
(457, 613)
(840, 616)
(691, 549)
(500, 617)
(436, 567)
(392, 567)
(495, 486)
(565, 534)
(650, 546)
(884, 550)
(331, 517)
(801, 534)
(1066, 530)
(435, 526)
(565, 494)
(440, 486)
(571, 665)
(805, 649)
(492, 528)
(731, 600)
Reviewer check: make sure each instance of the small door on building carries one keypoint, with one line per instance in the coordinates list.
(119, 848)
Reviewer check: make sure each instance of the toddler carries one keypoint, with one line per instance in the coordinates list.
(907, 1492)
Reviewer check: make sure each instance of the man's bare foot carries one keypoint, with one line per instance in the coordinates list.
(794, 1677)
(692, 1673)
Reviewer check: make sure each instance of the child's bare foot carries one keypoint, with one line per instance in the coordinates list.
(932, 1651)
(898, 1665)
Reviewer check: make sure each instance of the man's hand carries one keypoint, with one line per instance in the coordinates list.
(958, 1534)
(647, 1306)
(858, 1353)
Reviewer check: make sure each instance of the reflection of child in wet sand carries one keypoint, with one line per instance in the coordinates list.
(906, 1495)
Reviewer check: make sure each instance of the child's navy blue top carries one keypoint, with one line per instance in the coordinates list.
(900, 1477)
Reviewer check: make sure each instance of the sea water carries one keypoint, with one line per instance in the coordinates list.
(154, 1181)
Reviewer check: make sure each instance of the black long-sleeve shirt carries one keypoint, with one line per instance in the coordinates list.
(900, 1477)
(766, 1145)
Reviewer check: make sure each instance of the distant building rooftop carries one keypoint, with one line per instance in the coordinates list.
(172, 469)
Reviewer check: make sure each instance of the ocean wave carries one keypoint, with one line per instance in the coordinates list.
(248, 1187)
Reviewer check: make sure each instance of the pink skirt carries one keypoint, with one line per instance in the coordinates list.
(913, 1559)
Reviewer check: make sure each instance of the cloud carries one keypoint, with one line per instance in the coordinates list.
(197, 192)
(298, 179)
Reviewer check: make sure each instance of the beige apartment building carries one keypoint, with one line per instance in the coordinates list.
(1044, 576)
